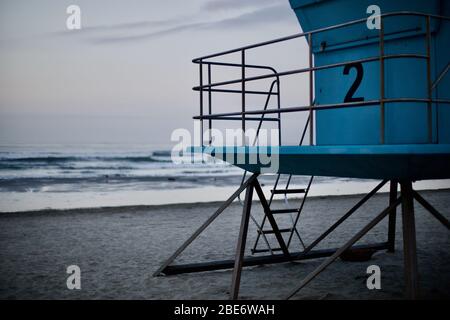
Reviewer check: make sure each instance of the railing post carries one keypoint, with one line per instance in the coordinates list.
(429, 84)
(311, 99)
(209, 104)
(201, 101)
(243, 94)
(279, 113)
(382, 93)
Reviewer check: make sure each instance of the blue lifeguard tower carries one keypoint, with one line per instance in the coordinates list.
(379, 108)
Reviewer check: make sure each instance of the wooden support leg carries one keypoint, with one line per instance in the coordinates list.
(240, 248)
(409, 241)
(392, 217)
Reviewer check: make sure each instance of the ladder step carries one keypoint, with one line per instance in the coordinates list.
(265, 250)
(287, 191)
(271, 231)
(280, 211)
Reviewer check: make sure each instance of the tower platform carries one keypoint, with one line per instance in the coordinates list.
(406, 161)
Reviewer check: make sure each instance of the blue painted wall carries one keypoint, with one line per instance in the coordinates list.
(404, 78)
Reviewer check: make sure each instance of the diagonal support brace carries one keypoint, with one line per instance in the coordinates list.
(431, 209)
(346, 246)
(243, 186)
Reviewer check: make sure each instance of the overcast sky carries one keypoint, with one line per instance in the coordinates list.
(126, 76)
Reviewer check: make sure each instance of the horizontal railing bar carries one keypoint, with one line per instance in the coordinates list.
(237, 91)
(219, 117)
(375, 37)
(304, 70)
(326, 106)
(291, 109)
(304, 34)
(297, 35)
(229, 64)
(443, 101)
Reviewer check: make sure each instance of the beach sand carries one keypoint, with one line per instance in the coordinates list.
(118, 249)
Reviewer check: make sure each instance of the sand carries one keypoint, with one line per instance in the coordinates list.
(118, 249)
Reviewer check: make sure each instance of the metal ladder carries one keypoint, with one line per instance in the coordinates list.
(294, 214)
(291, 231)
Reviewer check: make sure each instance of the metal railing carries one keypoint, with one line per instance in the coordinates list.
(248, 115)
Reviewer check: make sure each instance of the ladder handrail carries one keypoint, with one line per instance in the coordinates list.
(294, 225)
(269, 95)
(300, 143)
(277, 81)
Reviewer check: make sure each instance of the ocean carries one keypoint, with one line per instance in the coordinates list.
(34, 177)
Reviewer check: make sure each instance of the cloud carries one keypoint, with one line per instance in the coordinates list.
(248, 13)
(266, 15)
(133, 25)
(169, 26)
(126, 27)
(144, 36)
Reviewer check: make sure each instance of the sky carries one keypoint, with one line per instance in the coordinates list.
(127, 75)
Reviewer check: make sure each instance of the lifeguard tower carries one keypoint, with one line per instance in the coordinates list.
(378, 108)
